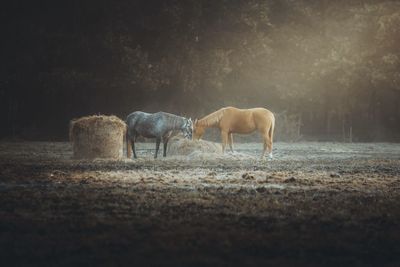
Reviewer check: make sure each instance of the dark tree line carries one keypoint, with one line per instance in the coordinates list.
(329, 69)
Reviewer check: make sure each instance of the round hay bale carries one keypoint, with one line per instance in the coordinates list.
(97, 137)
(185, 147)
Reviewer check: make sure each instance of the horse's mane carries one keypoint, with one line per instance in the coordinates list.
(212, 118)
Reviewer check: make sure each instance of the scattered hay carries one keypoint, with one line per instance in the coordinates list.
(335, 175)
(185, 147)
(290, 180)
(247, 176)
(97, 137)
(218, 156)
(203, 150)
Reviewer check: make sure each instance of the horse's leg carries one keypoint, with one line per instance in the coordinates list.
(265, 143)
(230, 141)
(128, 146)
(224, 136)
(269, 146)
(264, 149)
(165, 140)
(133, 148)
(165, 147)
(158, 141)
(271, 137)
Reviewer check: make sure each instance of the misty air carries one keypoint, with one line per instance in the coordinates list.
(200, 133)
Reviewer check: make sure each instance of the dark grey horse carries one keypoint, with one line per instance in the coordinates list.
(160, 125)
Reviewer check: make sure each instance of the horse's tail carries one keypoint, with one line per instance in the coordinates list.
(128, 143)
(271, 129)
(128, 147)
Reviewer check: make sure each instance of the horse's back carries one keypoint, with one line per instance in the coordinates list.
(255, 112)
(262, 112)
(141, 116)
(246, 120)
(135, 121)
(249, 110)
(165, 115)
(135, 117)
(237, 120)
(263, 117)
(150, 124)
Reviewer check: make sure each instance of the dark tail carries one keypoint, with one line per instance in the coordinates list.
(128, 142)
(128, 146)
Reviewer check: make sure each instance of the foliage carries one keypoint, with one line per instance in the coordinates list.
(332, 63)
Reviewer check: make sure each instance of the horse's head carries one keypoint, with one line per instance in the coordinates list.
(187, 129)
(198, 130)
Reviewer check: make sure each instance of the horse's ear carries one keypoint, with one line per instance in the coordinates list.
(195, 121)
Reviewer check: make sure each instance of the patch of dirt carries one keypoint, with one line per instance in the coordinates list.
(315, 204)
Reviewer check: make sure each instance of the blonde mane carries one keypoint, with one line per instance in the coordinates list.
(212, 118)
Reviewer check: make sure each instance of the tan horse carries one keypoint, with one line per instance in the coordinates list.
(232, 120)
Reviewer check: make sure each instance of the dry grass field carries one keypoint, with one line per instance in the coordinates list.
(330, 204)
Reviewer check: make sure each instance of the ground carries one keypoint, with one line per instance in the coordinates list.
(315, 204)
